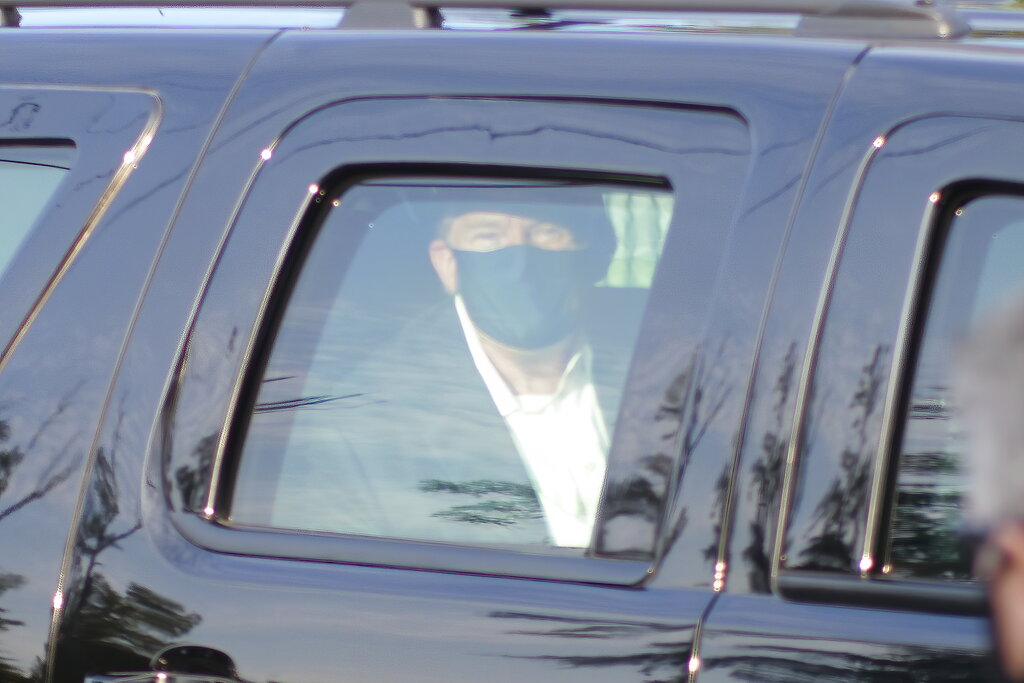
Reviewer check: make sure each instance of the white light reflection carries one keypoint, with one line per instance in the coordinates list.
(266, 154)
(879, 142)
(58, 600)
(314, 189)
(719, 583)
(208, 511)
(129, 157)
(866, 563)
(694, 664)
(934, 197)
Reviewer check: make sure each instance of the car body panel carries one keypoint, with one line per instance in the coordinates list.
(56, 380)
(453, 625)
(828, 359)
(120, 390)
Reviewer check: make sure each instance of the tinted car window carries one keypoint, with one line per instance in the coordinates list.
(29, 175)
(449, 364)
(980, 268)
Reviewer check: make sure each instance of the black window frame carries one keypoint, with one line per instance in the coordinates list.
(923, 208)
(336, 184)
(196, 515)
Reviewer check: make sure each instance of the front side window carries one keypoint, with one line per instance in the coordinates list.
(29, 175)
(449, 363)
(979, 270)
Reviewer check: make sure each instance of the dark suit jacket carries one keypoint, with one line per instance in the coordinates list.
(417, 449)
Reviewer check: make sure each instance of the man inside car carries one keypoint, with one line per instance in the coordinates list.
(518, 277)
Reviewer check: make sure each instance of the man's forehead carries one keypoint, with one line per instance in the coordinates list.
(494, 219)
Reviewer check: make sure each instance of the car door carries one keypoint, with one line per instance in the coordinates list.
(848, 524)
(92, 164)
(306, 250)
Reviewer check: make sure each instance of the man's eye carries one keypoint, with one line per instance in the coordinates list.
(552, 236)
(485, 239)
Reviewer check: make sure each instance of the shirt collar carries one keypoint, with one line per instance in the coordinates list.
(576, 375)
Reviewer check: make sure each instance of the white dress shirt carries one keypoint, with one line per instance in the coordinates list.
(561, 438)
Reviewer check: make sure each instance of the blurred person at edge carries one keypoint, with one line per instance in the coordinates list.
(990, 391)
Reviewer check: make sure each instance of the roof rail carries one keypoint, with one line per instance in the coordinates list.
(827, 18)
(9, 16)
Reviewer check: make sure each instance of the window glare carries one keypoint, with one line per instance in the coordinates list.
(25, 191)
(240, 17)
(451, 360)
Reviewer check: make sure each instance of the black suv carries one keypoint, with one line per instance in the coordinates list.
(564, 342)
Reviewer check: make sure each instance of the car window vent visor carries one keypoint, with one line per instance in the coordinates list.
(827, 18)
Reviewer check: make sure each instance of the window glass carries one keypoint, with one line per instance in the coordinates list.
(29, 175)
(449, 362)
(980, 269)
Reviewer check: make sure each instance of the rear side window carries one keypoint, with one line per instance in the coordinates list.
(980, 268)
(29, 177)
(449, 362)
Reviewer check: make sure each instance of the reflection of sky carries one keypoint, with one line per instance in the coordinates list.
(1002, 276)
(24, 192)
(242, 17)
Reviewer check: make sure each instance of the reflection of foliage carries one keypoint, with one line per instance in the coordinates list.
(52, 476)
(767, 474)
(836, 529)
(104, 629)
(701, 403)
(688, 407)
(302, 402)
(924, 539)
(192, 478)
(8, 671)
(786, 663)
(928, 512)
(710, 551)
(662, 659)
(507, 503)
(139, 620)
(55, 472)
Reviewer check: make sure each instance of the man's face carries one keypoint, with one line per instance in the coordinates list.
(520, 279)
(487, 231)
(484, 231)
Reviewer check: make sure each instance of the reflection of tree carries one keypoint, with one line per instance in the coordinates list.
(191, 477)
(302, 402)
(690, 403)
(928, 511)
(721, 489)
(501, 503)
(103, 629)
(786, 664)
(657, 651)
(55, 472)
(700, 403)
(127, 628)
(9, 673)
(836, 529)
(767, 474)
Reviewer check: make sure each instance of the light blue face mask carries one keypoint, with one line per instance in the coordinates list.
(523, 296)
